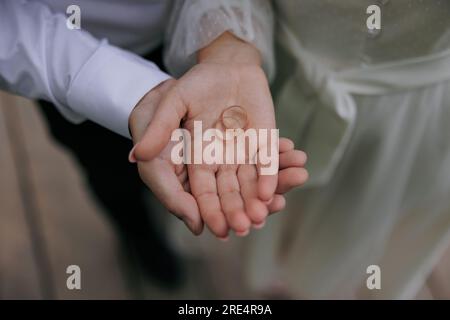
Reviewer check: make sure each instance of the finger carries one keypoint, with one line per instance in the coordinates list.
(184, 179)
(290, 178)
(286, 145)
(231, 200)
(167, 118)
(203, 186)
(262, 118)
(268, 164)
(292, 158)
(161, 179)
(277, 204)
(248, 181)
(267, 185)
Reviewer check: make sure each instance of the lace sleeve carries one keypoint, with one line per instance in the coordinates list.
(196, 23)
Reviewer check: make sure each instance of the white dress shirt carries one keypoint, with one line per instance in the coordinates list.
(83, 72)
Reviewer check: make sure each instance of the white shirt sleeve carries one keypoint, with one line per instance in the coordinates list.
(40, 57)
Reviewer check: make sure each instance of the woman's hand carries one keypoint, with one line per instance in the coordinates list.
(228, 73)
(170, 182)
(227, 196)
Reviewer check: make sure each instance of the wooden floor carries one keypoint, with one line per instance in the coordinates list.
(49, 221)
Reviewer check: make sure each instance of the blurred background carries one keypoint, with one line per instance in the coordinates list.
(49, 220)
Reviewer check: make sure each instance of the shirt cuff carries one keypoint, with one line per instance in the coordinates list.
(109, 86)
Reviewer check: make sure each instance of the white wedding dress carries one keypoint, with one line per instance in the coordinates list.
(372, 110)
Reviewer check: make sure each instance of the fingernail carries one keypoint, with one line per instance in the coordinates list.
(259, 225)
(131, 157)
(190, 225)
(267, 202)
(224, 239)
(242, 233)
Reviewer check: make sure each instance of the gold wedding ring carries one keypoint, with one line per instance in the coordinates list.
(234, 117)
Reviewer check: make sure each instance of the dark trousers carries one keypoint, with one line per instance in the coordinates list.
(103, 156)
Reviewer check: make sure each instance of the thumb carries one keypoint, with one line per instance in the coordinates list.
(160, 177)
(167, 118)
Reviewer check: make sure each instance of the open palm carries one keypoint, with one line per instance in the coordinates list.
(228, 196)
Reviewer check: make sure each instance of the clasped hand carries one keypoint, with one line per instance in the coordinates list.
(222, 196)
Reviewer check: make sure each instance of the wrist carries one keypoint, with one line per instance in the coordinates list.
(144, 110)
(229, 49)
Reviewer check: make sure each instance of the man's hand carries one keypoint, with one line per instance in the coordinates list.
(169, 182)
